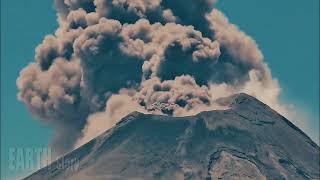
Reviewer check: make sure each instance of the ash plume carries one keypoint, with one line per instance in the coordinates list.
(111, 57)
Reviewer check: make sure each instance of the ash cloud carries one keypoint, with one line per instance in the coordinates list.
(111, 57)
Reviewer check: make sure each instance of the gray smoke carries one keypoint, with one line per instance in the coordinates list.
(159, 56)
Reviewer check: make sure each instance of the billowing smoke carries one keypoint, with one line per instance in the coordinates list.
(111, 57)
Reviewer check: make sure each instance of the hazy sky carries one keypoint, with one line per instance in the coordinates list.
(287, 32)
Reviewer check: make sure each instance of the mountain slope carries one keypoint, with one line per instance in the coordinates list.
(247, 141)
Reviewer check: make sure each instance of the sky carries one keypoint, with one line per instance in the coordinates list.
(287, 34)
(22, 29)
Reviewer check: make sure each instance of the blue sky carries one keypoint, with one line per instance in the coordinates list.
(286, 31)
(23, 26)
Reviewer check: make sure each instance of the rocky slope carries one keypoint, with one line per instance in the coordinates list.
(247, 141)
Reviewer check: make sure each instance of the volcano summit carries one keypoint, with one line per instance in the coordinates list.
(247, 141)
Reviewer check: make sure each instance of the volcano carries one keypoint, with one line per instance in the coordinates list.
(248, 140)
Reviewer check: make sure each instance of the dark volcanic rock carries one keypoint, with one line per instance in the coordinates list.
(247, 141)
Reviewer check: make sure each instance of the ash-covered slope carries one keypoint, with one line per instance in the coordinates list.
(247, 141)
